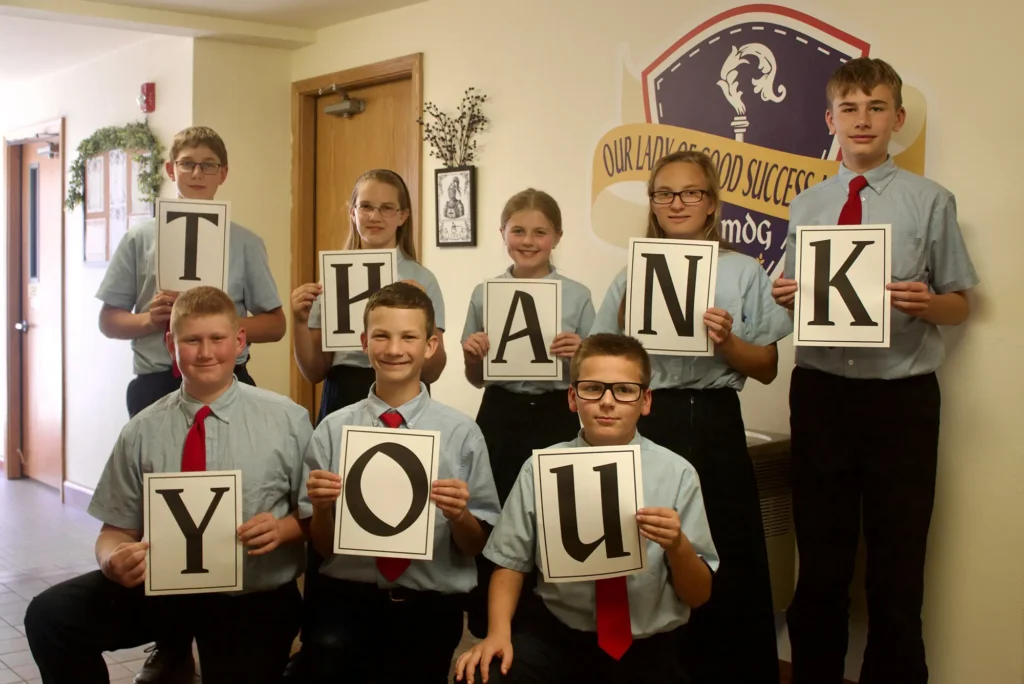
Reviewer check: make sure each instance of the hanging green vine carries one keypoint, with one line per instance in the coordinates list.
(134, 136)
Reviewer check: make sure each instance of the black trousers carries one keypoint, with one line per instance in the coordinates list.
(546, 651)
(361, 633)
(145, 390)
(514, 425)
(862, 450)
(243, 638)
(732, 636)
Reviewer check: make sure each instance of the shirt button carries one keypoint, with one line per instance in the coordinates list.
(850, 362)
(675, 378)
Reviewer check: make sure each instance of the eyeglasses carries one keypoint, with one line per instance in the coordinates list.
(687, 196)
(209, 168)
(386, 210)
(623, 392)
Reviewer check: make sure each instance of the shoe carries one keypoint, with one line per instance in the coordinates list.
(168, 665)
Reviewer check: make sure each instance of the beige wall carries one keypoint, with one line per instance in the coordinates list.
(243, 91)
(99, 93)
(552, 69)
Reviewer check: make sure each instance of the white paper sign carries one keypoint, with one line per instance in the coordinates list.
(191, 523)
(349, 278)
(670, 284)
(192, 247)
(521, 319)
(587, 500)
(385, 509)
(841, 274)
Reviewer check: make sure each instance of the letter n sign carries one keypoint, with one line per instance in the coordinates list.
(669, 286)
(349, 278)
(191, 522)
(841, 274)
(192, 245)
(384, 509)
(586, 502)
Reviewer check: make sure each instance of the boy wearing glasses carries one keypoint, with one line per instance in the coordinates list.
(134, 310)
(556, 641)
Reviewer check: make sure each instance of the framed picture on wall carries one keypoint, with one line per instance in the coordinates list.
(455, 191)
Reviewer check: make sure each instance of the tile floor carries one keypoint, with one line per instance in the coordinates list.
(42, 543)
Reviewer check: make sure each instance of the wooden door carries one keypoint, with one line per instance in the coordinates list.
(41, 324)
(378, 137)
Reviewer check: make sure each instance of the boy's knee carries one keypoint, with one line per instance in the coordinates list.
(41, 612)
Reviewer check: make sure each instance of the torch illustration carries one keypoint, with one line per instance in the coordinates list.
(764, 85)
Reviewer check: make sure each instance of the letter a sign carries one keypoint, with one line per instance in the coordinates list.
(587, 501)
(192, 244)
(349, 278)
(191, 523)
(384, 509)
(841, 274)
(521, 319)
(669, 286)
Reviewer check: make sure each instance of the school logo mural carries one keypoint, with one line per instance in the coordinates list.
(747, 87)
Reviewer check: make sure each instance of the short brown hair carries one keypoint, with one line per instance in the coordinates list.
(401, 296)
(866, 74)
(537, 200)
(607, 344)
(196, 136)
(404, 236)
(202, 301)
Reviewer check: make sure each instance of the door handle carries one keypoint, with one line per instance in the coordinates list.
(21, 326)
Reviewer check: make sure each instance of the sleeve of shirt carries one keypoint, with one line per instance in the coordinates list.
(795, 219)
(117, 500)
(513, 542)
(302, 432)
(694, 519)
(314, 313)
(475, 314)
(770, 322)
(607, 320)
(118, 288)
(587, 315)
(260, 289)
(436, 298)
(318, 457)
(483, 495)
(949, 263)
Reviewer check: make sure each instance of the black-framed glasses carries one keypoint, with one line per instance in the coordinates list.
(685, 196)
(366, 210)
(209, 168)
(623, 392)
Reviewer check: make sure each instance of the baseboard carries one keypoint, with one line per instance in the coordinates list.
(786, 673)
(77, 496)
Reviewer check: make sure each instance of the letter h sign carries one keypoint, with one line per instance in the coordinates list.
(349, 278)
(586, 502)
(841, 274)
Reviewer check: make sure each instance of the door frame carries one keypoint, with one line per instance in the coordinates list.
(13, 147)
(304, 112)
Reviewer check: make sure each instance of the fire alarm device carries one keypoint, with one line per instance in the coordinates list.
(147, 98)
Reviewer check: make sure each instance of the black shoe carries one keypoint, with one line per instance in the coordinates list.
(168, 664)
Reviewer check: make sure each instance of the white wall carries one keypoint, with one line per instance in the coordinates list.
(243, 92)
(552, 70)
(94, 94)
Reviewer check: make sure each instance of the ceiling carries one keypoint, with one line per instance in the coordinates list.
(32, 48)
(308, 14)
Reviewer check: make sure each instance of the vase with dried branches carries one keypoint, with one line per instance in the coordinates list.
(451, 138)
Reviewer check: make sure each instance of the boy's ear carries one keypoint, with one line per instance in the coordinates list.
(572, 400)
(362, 341)
(240, 338)
(901, 118)
(169, 168)
(432, 343)
(830, 121)
(647, 400)
(169, 343)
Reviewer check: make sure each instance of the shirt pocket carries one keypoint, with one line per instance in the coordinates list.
(909, 258)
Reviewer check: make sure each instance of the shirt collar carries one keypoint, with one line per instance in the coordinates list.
(552, 274)
(580, 442)
(878, 178)
(410, 410)
(222, 408)
(401, 258)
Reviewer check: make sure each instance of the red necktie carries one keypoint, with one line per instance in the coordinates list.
(392, 568)
(175, 371)
(850, 215)
(614, 633)
(193, 458)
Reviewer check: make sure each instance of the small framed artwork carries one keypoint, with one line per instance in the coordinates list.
(455, 189)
